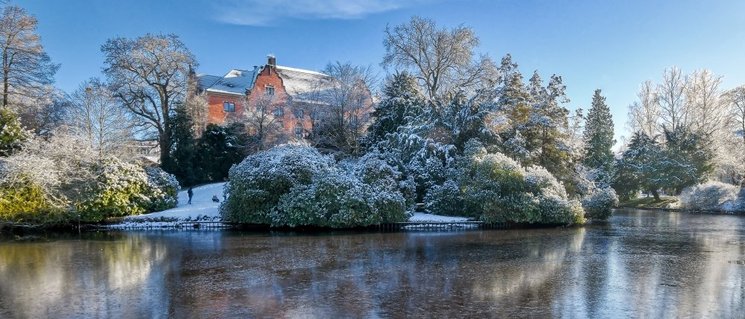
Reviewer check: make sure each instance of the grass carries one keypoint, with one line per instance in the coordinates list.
(651, 203)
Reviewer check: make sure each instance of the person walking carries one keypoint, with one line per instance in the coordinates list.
(190, 192)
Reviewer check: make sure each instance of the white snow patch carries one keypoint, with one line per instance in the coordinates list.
(202, 208)
(424, 217)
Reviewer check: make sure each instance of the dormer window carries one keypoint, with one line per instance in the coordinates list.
(269, 90)
(228, 106)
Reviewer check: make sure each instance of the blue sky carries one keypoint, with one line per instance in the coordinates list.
(611, 45)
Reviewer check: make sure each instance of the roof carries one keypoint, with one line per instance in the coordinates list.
(234, 82)
(304, 85)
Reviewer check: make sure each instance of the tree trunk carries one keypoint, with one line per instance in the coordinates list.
(656, 195)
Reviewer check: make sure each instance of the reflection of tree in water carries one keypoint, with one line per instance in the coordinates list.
(67, 278)
(371, 275)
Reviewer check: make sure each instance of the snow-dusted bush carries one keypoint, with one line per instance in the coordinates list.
(123, 189)
(27, 202)
(445, 199)
(292, 185)
(382, 171)
(258, 182)
(337, 200)
(162, 189)
(496, 188)
(599, 204)
(710, 196)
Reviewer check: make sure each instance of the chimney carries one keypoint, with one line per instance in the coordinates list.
(271, 60)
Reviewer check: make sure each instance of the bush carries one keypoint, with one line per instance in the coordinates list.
(599, 204)
(293, 186)
(496, 188)
(445, 199)
(260, 180)
(710, 196)
(123, 189)
(27, 203)
(337, 200)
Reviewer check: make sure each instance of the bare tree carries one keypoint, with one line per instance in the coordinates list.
(347, 95)
(27, 70)
(671, 95)
(736, 100)
(263, 118)
(708, 111)
(644, 115)
(98, 116)
(442, 60)
(149, 76)
(196, 104)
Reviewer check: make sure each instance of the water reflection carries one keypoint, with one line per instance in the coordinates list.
(641, 264)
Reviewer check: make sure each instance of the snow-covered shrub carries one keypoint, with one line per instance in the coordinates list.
(162, 189)
(445, 199)
(496, 188)
(123, 189)
(260, 180)
(599, 204)
(337, 200)
(292, 185)
(710, 196)
(382, 171)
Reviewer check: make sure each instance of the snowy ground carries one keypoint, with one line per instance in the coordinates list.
(202, 208)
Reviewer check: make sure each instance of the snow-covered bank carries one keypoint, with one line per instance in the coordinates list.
(203, 209)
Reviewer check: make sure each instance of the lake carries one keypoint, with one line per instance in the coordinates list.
(649, 264)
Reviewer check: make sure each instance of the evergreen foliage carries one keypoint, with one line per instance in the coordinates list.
(598, 140)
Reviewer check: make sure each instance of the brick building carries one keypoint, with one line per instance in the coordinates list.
(288, 99)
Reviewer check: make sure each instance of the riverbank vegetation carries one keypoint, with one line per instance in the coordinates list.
(452, 130)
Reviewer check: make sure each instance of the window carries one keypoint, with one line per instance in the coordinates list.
(298, 113)
(299, 130)
(228, 106)
(269, 90)
(279, 111)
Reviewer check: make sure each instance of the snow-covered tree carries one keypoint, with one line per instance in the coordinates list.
(100, 118)
(27, 70)
(149, 76)
(671, 93)
(598, 137)
(261, 121)
(401, 104)
(644, 115)
(343, 121)
(441, 59)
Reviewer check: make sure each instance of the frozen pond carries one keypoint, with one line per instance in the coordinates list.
(641, 264)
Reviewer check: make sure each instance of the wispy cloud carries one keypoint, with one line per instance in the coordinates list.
(269, 12)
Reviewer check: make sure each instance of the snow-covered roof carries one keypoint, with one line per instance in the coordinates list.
(234, 82)
(206, 80)
(304, 85)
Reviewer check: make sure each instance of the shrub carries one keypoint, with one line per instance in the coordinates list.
(337, 200)
(496, 188)
(260, 180)
(28, 203)
(293, 186)
(711, 196)
(445, 199)
(599, 204)
(123, 189)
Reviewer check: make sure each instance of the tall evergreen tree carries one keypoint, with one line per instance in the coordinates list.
(598, 137)
(401, 103)
(182, 159)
